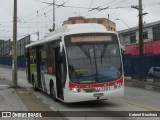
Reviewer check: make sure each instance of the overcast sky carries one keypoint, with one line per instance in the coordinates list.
(29, 22)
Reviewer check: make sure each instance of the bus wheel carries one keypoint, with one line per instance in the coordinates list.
(53, 93)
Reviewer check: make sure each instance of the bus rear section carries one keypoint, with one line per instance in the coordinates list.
(94, 67)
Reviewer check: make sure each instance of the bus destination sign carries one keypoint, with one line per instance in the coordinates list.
(90, 39)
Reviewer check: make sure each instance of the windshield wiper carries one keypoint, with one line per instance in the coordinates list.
(103, 52)
(87, 54)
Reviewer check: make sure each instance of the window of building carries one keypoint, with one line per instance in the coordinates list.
(133, 39)
(156, 33)
(145, 35)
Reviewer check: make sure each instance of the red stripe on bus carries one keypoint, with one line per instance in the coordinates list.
(74, 85)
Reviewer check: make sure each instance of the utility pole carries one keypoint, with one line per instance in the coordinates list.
(37, 26)
(14, 48)
(140, 29)
(53, 15)
(141, 62)
(38, 35)
(108, 22)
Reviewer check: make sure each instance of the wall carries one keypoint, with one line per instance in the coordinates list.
(125, 38)
(150, 34)
(7, 61)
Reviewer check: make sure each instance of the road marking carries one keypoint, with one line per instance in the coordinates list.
(135, 105)
(1, 77)
(28, 89)
(37, 96)
(53, 108)
(24, 92)
(44, 102)
(4, 85)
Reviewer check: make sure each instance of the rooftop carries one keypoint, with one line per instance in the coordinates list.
(136, 28)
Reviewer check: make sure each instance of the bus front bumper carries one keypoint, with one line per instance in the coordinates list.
(70, 97)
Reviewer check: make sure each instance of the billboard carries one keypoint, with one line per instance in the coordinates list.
(21, 45)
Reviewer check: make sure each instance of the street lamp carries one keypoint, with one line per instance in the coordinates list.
(123, 22)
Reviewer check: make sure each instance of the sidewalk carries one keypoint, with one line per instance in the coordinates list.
(22, 99)
(148, 85)
(9, 100)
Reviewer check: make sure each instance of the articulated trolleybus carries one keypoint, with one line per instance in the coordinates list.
(80, 62)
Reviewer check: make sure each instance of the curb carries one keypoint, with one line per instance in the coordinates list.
(143, 85)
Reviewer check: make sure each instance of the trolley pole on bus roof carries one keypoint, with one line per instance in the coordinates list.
(14, 47)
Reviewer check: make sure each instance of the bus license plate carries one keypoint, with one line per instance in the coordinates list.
(98, 94)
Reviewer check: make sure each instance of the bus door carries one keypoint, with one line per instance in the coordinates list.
(59, 82)
(28, 66)
(38, 64)
(43, 66)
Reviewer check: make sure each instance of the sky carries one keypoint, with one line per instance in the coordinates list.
(37, 15)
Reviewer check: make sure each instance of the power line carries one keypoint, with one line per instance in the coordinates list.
(121, 13)
(96, 11)
(91, 3)
(95, 8)
(91, 9)
(100, 9)
(34, 12)
(36, 16)
(151, 4)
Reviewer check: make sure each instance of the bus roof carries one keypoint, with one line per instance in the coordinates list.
(72, 29)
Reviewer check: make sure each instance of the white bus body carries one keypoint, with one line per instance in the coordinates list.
(79, 62)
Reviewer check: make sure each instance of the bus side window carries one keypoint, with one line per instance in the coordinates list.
(32, 57)
(50, 58)
(43, 61)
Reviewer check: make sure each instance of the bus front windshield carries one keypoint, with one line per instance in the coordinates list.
(94, 62)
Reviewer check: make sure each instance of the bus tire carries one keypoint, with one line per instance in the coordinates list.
(53, 93)
(34, 84)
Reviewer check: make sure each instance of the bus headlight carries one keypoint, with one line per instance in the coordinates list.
(76, 90)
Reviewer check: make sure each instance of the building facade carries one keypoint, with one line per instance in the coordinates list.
(151, 32)
(139, 65)
(111, 26)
